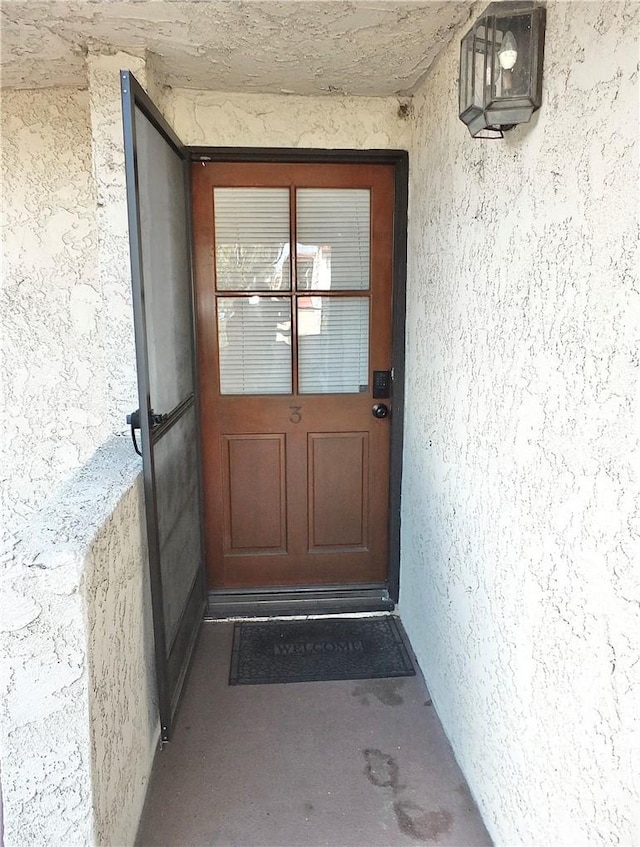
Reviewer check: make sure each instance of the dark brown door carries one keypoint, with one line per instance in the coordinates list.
(293, 266)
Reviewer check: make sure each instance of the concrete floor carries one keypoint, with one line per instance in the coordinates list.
(363, 763)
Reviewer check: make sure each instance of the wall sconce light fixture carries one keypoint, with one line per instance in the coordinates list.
(501, 68)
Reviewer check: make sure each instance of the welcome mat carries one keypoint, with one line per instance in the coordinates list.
(316, 650)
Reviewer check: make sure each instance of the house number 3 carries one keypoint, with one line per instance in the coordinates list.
(296, 414)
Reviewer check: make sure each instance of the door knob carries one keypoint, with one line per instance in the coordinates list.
(380, 410)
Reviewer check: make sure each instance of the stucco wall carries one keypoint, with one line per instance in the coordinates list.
(55, 406)
(123, 712)
(254, 120)
(78, 722)
(112, 241)
(67, 349)
(519, 590)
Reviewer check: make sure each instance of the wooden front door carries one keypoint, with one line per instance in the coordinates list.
(293, 270)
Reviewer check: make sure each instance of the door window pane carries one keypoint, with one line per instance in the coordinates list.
(333, 345)
(252, 239)
(254, 339)
(333, 238)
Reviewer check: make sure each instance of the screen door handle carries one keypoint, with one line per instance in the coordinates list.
(134, 422)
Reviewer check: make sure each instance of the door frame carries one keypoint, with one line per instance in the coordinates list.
(355, 598)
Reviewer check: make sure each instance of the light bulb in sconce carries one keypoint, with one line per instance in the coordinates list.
(507, 43)
(508, 52)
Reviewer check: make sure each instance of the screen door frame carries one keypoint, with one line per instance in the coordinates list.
(172, 658)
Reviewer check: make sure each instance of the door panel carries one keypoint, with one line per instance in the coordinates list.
(338, 514)
(255, 494)
(158, 206)
(296, 468)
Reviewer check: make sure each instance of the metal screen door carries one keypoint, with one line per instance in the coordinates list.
(159, 232)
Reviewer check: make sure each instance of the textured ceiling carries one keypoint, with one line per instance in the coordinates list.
(279, 46)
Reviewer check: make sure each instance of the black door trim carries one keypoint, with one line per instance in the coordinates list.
(400, 160)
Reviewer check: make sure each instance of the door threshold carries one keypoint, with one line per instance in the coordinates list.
(326, 600)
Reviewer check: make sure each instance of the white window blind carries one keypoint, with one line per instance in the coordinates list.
(333, 345)
(254, 340)
(252, 239)
(333, 247)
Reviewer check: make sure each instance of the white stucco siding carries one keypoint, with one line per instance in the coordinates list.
(114, 275)
(272, 120)
(123, 711)
(519, 590)
(53, 412)
(78, 718)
